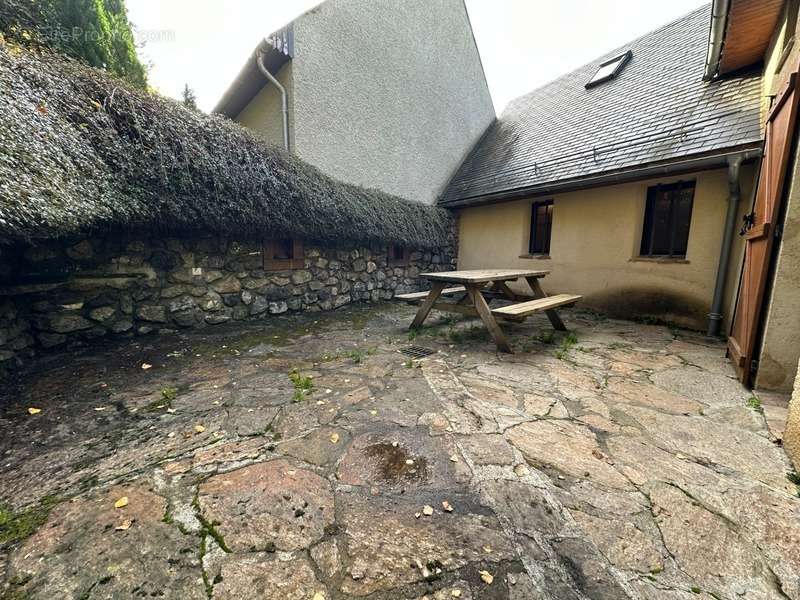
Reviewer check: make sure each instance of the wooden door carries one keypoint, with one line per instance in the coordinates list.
(759, 231)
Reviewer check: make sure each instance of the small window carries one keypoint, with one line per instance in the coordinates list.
(610, 69)
(667, 215)
(283, 254)
(541, 224)
(397, 256)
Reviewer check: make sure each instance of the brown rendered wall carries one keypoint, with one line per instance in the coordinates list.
(791, 437)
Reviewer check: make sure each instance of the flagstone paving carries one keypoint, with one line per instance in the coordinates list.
(306, 458)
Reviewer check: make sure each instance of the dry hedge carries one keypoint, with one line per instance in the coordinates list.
(82, 152)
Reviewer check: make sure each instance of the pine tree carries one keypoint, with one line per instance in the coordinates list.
(189, 97)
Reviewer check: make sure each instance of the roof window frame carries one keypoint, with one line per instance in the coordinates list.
(621, 59)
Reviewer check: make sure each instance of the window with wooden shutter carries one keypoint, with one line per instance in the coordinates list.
(283, 254)
(397, 256)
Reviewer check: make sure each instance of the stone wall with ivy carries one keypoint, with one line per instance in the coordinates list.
(64, 294)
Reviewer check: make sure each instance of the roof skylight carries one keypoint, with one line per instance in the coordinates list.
(610, 69)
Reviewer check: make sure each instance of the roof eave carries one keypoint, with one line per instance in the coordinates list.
(739, 34)
(702, 162)
(278, 48)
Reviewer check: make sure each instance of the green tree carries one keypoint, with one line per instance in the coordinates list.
(189, 97)
(97, 31)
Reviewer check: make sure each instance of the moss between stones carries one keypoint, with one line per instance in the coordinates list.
(16, 526)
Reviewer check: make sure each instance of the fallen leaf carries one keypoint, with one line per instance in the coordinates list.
(146, 366)
(34, 411)
(199, 428)
(121, 502)
(521, 470)
(447, 506)
(99, 408)
(427, 510)
(126, 524)
(487, 549)
(334, 438)
(409, 461)
(319, 596)
(486, 577)
(453, 458)
(417, 515)
(373, 412)
(456, 593)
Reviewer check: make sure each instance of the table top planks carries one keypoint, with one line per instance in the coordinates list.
(483, 275)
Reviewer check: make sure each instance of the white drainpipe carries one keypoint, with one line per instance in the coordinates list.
(258, 56)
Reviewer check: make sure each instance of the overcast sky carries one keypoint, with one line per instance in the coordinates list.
(523, 43)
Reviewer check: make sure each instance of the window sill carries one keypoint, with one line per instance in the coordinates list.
(661, 259)
(535, 256)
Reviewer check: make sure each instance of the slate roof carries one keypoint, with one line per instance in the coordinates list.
(657, 110)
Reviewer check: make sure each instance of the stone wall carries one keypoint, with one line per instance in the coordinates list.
(58, 295)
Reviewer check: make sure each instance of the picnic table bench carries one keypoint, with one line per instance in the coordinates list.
(477, 288)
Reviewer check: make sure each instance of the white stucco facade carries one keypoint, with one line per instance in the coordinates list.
(384, 94)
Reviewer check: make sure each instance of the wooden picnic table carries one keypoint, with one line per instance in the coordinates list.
(477, 288)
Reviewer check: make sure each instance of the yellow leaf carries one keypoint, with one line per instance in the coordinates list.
(427, 510)
(334, 438)
(34, 411)
(121, 502)
(486, 577)
(319, 596)
(97, 105)
(199, 428)
(146, 366)
(126, 524)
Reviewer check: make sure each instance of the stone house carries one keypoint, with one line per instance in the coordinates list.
(378, 93)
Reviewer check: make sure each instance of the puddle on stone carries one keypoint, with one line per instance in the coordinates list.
(391, 463)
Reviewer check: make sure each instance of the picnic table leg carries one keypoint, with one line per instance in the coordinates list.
(502, 287)
(427, 304)
(488, 318)
(538, 292)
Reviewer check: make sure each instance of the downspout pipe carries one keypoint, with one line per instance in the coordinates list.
(716, 36)
(259, 58)
(734, 196)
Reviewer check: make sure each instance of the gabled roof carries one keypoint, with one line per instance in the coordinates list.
(656, 110)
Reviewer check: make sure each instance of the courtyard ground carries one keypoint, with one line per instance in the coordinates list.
(307, 458)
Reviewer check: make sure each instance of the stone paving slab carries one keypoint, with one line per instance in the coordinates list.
(310, 459)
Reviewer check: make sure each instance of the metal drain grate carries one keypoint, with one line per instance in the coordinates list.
(416, 351)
